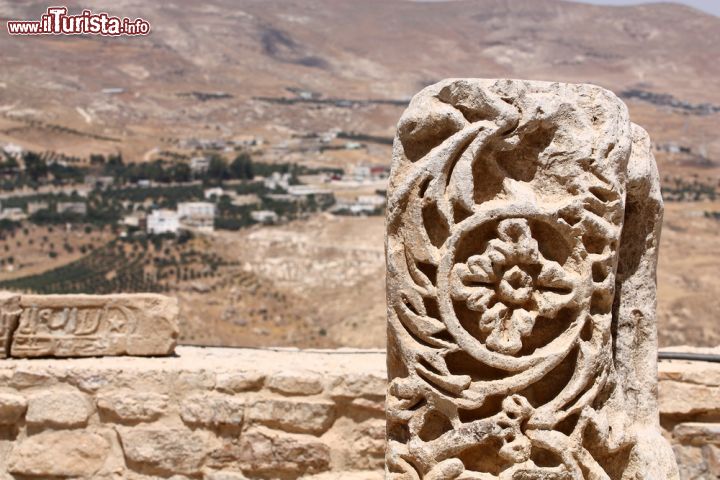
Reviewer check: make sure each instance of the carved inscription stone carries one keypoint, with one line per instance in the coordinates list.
(94, 325)
(522, 230)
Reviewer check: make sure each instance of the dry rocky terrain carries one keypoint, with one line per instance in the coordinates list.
(280, 70)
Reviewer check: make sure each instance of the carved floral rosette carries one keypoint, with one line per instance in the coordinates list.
(505, 214)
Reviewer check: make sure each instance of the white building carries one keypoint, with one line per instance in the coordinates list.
(362, 172)
(197, 215)
(216, 192)
(264, 216)
(77, 208)
(277, 179)
(360, 209)
(163, 221)
(33, 207)
(199, 165)
(13, 150)
(306, 192)
(244, 200)
(134, 220)
(374, 200)
(101, 182)
(14, 214)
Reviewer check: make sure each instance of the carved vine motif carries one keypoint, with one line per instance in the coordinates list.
(501, 251)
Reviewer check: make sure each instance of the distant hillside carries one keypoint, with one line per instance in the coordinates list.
(204, 62)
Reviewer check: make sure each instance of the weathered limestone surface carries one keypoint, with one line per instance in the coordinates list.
(689, 397)
(61, 454)
(154, 418)
(221, 414)
(522, 232)
(87, 325)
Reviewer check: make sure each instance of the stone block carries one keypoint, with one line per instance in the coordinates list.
(295, 383)
(58, 408)
(225, 476)
(691, 463)
(293, 415)
(268, 453)
(25, 376)
(373, 406)
(95, 325)
(165, 450)
(351, 475)
(701, 373)
(12, 408)
(212, 409)
(194, 380)
(697, 433)
(9, 315)
(679, 398)
(354, 385)
(234, 382)
(712, 458)
(363, 444)
(130, 406)
(73, 454)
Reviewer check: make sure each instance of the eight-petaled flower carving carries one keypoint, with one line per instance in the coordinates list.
(510, 284)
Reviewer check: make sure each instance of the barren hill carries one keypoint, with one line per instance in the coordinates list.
(283, 68)
(374, 49)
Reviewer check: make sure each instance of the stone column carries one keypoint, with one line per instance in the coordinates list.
(522, 230)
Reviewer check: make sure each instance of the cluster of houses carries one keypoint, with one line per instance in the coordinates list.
(363, 205)
(217, 144)
(12, 150)
(194, 216)
(361, 174)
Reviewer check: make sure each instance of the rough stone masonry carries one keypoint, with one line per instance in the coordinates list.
(522, 233)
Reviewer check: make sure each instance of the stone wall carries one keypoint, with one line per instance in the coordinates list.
(207, 413)
(689, 394)
(231, 414)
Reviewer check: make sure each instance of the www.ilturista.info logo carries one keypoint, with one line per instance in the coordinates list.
(56, 21)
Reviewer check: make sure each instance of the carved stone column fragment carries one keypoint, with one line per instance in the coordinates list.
(522, 230)
(91, 325)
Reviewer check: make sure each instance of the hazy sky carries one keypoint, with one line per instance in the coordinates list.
(710, 6)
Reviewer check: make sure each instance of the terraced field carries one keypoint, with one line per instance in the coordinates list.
(126, 266)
